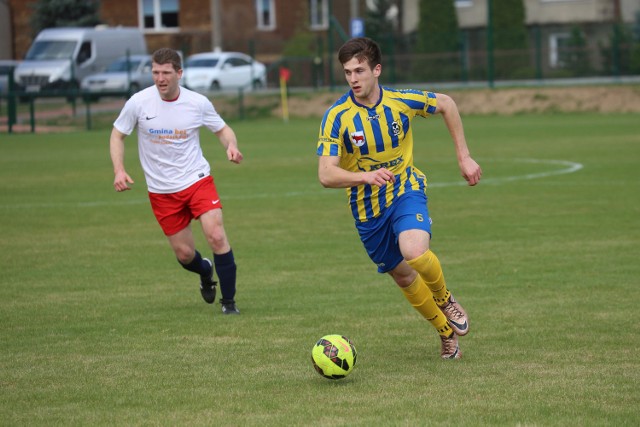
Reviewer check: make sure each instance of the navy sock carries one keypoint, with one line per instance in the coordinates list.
(197, 265)
(226, 270)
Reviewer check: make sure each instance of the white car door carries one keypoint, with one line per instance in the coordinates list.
(236, 72)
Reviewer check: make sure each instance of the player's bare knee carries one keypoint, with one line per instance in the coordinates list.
(184, 255)
(217, 241)
(403, 279)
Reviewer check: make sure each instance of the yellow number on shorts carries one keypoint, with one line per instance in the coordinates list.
(419, 217)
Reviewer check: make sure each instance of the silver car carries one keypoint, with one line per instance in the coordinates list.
(130, 74)
(223, 70)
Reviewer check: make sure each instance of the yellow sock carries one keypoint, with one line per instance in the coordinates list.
(420, 297)
(428, 266)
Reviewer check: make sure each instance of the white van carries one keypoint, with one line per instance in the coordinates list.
(59, 58)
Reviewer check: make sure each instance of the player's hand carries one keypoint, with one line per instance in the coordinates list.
(379, 177)
(470, 170)
(234, 155)
(122, 181)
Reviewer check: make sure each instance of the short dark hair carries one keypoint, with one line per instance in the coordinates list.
(167, 56)
(361, 48)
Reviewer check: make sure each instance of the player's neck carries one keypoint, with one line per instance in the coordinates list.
(173, 96)
(371, 99)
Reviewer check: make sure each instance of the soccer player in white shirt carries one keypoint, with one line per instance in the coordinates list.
(180, 186)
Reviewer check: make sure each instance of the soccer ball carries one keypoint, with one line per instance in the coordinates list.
(334, 356)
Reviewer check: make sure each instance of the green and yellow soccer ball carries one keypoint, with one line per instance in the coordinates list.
(334, 356)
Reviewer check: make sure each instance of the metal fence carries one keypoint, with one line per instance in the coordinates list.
(552, 54)
(610, 50)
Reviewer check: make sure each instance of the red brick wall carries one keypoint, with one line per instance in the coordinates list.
(22, 35)
(119, 12)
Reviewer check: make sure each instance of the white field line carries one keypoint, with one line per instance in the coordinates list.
(565, 167)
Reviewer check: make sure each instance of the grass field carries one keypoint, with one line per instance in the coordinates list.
(100, 326)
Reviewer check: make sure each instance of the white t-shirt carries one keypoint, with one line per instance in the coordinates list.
(169, 136)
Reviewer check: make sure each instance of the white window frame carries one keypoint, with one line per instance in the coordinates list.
(555, 61)
(157, 17)
(318, 22)
(272, 15)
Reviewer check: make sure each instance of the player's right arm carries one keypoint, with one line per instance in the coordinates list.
(121, 179)
(331, 175)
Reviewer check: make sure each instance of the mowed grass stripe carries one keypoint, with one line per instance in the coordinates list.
(101, 326)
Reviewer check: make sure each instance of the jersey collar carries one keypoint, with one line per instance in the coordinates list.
(353, 98)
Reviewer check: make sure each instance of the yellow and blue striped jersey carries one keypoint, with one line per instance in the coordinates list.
(367, 139)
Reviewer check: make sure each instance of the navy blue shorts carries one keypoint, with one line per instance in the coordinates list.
(380, 235)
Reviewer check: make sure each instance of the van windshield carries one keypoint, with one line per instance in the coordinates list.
(51, 49)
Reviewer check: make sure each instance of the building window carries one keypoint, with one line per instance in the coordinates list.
(463, 3)
(160, 15)
(319, 14)
(265, 11)
(558, 49)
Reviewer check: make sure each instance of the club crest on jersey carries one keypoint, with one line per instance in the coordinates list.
(395, 128)
(357, 138)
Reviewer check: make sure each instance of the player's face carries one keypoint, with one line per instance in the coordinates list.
(363, 80)
(166, 80)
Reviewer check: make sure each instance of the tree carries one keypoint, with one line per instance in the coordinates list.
(65, 13)
(379, 22)
(619, 53)
(438, 27)
(509, 30)
(576, 56)
(510, 39)
(437, 44)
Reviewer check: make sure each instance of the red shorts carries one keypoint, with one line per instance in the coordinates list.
(175, 211)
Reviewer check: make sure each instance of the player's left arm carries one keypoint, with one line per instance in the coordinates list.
(228, 139)
(446, 106)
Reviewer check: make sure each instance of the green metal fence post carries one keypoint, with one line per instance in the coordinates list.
(538, 53)
(252, 54)
(615, 50)
(464, 51)
(32, 113)
(72, 87)
(392, 57)
(330, 47)
(87, 103)
(11, 103)
(129, 92)
(489, 44)
(241, 103)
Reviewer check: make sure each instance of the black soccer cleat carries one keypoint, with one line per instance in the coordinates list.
(229, 306)
(208, 286)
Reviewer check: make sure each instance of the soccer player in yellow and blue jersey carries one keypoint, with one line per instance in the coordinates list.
(366, 146)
